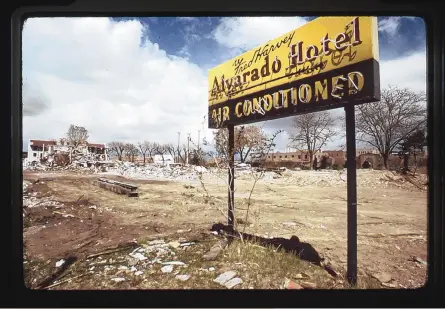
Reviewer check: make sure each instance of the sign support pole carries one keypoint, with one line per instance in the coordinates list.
(231, 182)
(352, 192)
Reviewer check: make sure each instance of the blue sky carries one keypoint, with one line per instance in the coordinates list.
(138, 79)
(190, 37)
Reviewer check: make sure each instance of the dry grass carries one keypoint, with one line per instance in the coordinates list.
(258, 267)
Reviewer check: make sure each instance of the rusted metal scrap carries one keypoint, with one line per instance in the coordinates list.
(117, 187)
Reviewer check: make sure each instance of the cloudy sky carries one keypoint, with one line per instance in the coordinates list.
(136, 79)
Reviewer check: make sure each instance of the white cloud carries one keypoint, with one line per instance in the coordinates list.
(187, 18)
(248, 32)
(390, 25)
(408, 71)
(99, 74)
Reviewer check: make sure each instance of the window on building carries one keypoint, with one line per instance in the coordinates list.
(274, 157)
(285, 156)
(299, 156)
(292, 156)
(305, 156)
(34, 154)
(268, 157)
(280, 157)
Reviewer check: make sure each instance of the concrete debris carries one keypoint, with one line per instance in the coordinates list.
(60, 263)
(183, 277)
(118, 279)
(174, 263)
(224, 277)
(211, 268)
(419, 260)
(138, 273)
(214, 251)
(174, 244)
(167, 269)
(308, 285)
(291, 285)
(73, 159)
(324, 178)
(233, 282)
(186, 244)
(383, 277)
(138, 256)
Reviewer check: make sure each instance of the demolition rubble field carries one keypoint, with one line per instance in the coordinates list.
(80, 236)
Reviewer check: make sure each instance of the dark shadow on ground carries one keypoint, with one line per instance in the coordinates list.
(303, 250)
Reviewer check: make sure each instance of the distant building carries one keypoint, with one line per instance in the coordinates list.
(166, 159)
(39, 149)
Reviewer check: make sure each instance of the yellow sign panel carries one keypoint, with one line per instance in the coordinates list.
(322, 45)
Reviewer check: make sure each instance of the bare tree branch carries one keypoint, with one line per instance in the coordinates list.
(385, 124)
(312, 132)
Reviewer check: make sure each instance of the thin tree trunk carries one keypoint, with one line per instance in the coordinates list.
(385, 160)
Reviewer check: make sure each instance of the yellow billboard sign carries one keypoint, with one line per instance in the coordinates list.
(306, 65)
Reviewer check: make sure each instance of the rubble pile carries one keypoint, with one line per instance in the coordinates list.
(331, 178)
(60, 160)
(30, 199)
(158, 171)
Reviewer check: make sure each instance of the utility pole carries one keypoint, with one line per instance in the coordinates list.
(188, 147)
(179, 138)
(199, 131)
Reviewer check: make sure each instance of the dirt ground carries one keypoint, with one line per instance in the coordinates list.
(85, 219)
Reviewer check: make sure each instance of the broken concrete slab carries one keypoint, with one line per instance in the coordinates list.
(224, 277)
(233, 282)
(383, 277)
(183, 277)
(167, 269)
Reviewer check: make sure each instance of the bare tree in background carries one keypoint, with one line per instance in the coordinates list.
(144, 148)
(247, 139)
(312, 132)
(385, 124)
(77, 136)
(177, 152)
(131, 151)
(117, 148)
(161, 149)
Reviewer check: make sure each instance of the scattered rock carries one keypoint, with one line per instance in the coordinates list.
(167, 269)
(60, 263)
(138, 273)
(186, 244)
(419, 260)
(174, 244)
(291, 285)
(224, 277)
(301, 276)
(233, 282)
(174, 263)
(138, 256)
(308, 285)
(118, 279)
(383, 277)
(214, 251)
(183, 277)
(211, 268)
(132, 261)
(289, 223)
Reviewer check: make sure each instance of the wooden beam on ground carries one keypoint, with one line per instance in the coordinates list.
(117, 187)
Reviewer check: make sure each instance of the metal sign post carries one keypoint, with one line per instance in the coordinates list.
(352, 193)
(231, 180)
